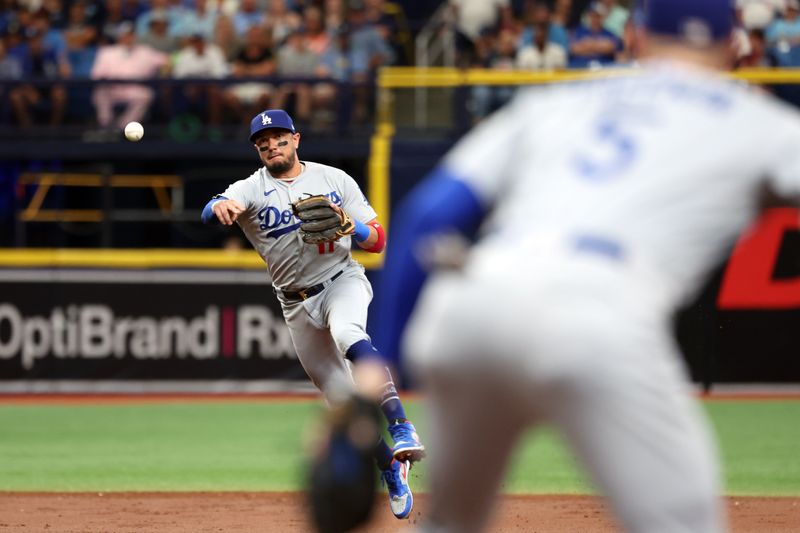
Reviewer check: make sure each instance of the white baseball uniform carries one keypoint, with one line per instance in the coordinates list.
(323, 326)
(609, 202)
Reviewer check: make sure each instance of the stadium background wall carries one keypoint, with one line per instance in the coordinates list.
(742, 327)
(150, 325)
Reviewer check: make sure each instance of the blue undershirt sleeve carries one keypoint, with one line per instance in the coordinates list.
(208, 216)
(441, 203)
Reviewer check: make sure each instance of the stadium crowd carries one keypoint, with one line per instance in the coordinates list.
(299, 54)
(48, 41)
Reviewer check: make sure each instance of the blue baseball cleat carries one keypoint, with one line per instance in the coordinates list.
(407, 446)
(396, 479)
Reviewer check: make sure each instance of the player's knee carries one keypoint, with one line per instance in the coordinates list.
(348, 336)
(361, 348)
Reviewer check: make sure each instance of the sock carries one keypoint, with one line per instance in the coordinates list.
(390, 401)
(383, 455)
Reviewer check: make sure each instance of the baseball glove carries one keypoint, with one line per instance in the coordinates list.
(320, 222)
(342, 480)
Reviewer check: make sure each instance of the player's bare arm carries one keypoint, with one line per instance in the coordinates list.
(227, 211)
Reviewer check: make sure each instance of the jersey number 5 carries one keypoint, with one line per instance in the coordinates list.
(614, 146)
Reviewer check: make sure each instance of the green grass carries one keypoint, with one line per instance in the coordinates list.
(260, 446)
(760, 446)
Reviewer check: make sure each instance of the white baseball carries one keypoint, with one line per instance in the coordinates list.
(134, 131)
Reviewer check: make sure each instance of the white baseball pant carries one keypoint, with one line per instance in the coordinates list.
(578, 341)
(324, 326)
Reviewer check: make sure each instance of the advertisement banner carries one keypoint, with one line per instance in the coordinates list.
(142, 326)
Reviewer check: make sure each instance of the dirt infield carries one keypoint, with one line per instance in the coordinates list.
(286, 513)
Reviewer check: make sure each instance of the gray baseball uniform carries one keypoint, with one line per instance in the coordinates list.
(322, 327)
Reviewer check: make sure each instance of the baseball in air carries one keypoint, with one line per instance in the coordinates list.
(134, 131)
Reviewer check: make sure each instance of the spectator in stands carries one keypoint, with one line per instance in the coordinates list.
(21, 20)
(376, 15)
(131, 9)
(255, 60)
(367, 51)
(334, 62)
(317, 37)
(247, 16)
(52, 39)
(784, 33)
(617, 16)
(390, 19)
(10, 67)
(539, 15)
(592, 45)
(368, 48)
(334, 15)
(9, 17)
(200, 19)
(295, 60)
(562, 13)
(750, 16)
(630, 54)
(335, 65)
(42, 65)
(759, 54)
(125, 60)
(116, 15)
(96, 11)
(158, 36)
(56, 12)
(14, 40)
(174, 10)
(502, 56)
(484, 46)
(81, 39)
(201, 59)
(543, 53)
(280, 21)
(507, 21)
(225, 37)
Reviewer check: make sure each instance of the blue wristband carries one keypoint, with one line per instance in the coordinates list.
(361, 232)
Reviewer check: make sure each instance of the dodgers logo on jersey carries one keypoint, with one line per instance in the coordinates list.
(277, 222)
(334, 197)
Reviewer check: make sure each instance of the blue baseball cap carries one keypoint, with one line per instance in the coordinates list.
(698, 22)
(271, 118)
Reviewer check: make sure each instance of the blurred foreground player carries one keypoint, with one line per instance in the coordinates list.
(599, 207)
(322, 290)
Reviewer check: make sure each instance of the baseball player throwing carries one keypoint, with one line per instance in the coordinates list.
(301, 217)
(602, 206)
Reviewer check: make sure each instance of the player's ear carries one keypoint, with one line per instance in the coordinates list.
(296, 139)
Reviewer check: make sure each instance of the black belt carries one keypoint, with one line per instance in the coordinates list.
(308, 292)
